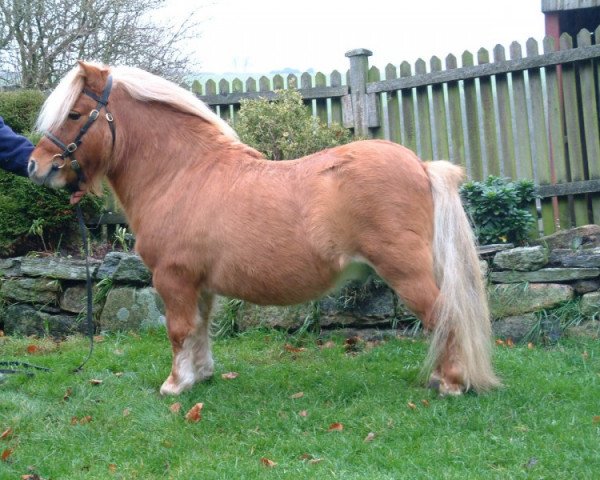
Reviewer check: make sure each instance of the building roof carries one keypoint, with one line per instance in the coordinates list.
(561, 5)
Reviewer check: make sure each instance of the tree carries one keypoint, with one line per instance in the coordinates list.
(40, 40)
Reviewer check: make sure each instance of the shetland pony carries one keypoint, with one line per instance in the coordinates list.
(213, 216)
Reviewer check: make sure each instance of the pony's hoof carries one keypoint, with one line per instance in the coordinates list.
(171, 387)
(445, 388)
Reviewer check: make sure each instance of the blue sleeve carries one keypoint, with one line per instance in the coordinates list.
(15, 150)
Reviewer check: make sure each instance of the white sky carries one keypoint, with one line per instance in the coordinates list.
(260, 36)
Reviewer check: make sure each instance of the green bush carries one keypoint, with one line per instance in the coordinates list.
(20, 109)
(33, 217)
(284, 129)
(500, 209)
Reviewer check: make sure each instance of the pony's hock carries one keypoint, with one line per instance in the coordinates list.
(212, 216)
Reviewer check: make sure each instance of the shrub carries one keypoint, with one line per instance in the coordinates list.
(500, 209)
(33, 217)
(20, 108)
(284, 129)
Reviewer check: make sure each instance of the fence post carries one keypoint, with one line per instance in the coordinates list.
(357, 81)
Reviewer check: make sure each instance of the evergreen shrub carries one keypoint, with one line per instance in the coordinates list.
(500, 209)
(285, 129)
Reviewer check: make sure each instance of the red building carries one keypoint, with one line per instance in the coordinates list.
(570, 16)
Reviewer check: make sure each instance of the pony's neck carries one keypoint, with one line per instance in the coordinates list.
(156, 145)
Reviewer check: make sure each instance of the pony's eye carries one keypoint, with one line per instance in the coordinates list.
(74, 115)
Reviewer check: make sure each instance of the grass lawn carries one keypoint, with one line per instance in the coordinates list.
(545, 422)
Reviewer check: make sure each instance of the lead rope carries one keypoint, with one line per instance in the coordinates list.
(88, 286)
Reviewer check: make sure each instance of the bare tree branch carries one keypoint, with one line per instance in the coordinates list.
(41, 39)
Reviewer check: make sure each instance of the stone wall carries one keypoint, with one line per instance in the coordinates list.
(46, 295)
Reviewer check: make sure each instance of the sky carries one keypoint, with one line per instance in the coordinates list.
(262, 36)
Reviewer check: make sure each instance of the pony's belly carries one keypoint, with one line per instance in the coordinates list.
(275, 287)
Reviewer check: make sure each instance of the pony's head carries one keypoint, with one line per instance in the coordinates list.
(78, 131)
(81, 139)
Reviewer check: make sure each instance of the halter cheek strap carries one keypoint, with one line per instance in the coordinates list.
(69, 150)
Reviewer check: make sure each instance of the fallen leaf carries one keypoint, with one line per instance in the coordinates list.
(126, 412)
(412, 406)
(1, 333)
(585, 355)
(95, 381)
(6, 453)
(194, 414)
(530, 346)
(370, 437)
(303, 413)
(328, 344)
(6, 433)
(353, 344)
(311, 458)
(509, 342)
(266, 462)
(335, 427)
(425, 402)
(31, 476)
(229, 375)
(67, 394)
(175, 407)
(98, 338)
(118, 374)
(81, 421)
(596, 419)
(292, 349)
(499, 341)
(297, 395)
(112, 467)
(32, 349)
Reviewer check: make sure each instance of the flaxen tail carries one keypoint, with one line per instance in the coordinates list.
(462, 307)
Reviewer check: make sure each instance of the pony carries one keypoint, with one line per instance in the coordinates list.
(212, 216)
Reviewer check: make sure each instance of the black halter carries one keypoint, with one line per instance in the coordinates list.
(69, 150)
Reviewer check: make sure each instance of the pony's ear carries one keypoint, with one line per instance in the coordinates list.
(95, 76)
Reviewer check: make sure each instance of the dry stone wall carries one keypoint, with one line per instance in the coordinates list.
(47, 295)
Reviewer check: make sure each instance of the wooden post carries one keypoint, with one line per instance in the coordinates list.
(357, 81)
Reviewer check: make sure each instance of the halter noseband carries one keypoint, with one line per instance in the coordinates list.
(69, 150)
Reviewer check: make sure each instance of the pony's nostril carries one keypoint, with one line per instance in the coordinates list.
(31, 167)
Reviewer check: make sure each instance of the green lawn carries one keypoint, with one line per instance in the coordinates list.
(543, 424)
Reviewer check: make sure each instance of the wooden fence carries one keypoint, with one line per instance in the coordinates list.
(532, 116)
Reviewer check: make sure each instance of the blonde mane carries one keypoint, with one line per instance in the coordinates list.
(140, 84)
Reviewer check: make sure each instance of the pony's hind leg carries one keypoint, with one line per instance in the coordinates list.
(188, 330)
(414, 282)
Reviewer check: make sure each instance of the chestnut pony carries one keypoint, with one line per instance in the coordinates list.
(213, 216)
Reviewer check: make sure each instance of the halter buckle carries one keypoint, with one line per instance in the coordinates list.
(94, 114)
(109, 117)
(71, 147)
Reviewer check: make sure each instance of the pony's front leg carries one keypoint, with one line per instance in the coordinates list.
(188, 329)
